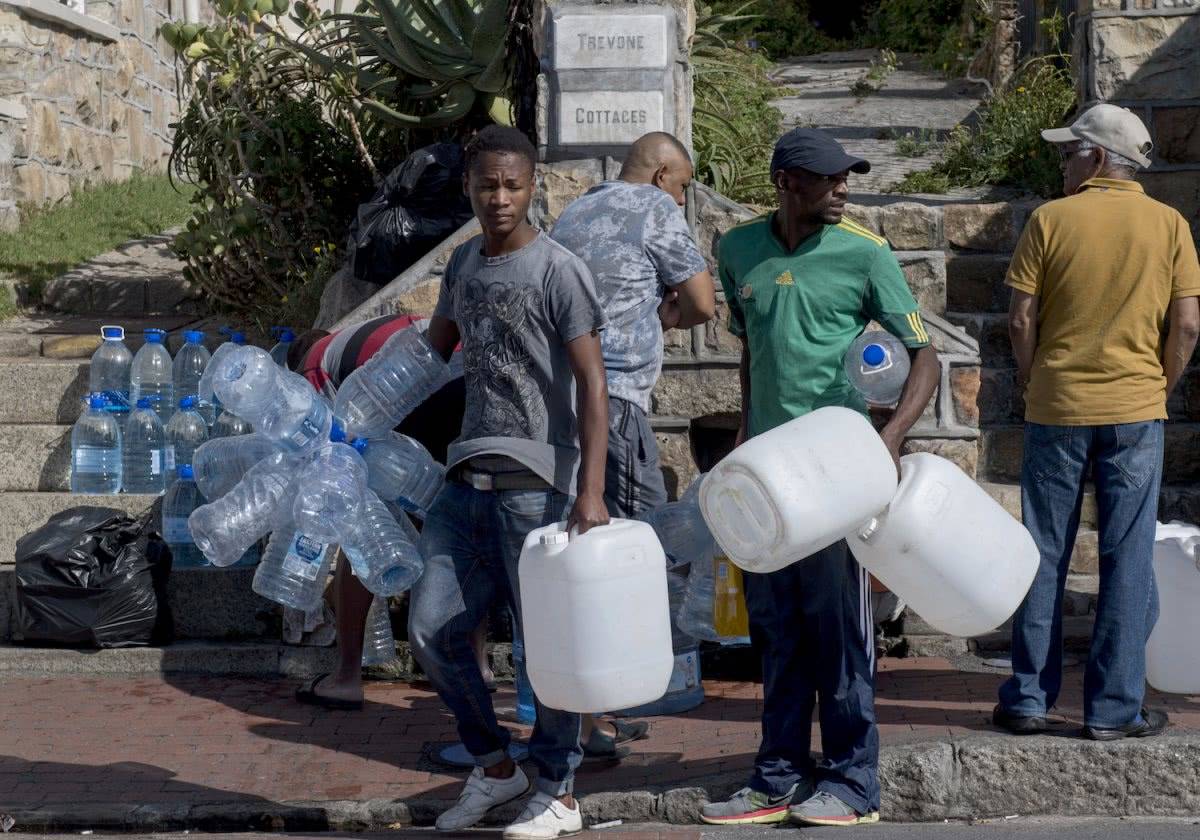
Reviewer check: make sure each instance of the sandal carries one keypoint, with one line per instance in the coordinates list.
(600, 745)
(308, 694)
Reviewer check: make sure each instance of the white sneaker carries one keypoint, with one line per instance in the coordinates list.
(480, 795)
(545, 818)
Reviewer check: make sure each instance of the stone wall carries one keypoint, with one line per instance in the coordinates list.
(83, 97)
(1145, 55)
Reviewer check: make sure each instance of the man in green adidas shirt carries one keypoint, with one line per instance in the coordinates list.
(801, 284)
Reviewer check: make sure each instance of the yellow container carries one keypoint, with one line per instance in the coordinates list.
(730, 617)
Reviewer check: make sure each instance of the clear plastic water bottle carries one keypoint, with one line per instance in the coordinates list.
(188, 368)
(294, 567)
(377, 396)
(185, 433)
(230, 425)
(400, 469)
(144, 451)
(681, 528)
(205, 388)
(526, 707)
(284, 338)
(108, 373)
(151, 375)
(329, 499)
(221, 463)
(384, 554)
(695, 616)
(379, 642)
(877, 367)
(96, 450)
(223, 529)
(181, 499)
(280, 404)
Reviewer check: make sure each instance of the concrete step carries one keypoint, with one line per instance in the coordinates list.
(195, 657)
(22, 512)
(1001, 452)
(59, 336)
(35, 457)
(41, 390)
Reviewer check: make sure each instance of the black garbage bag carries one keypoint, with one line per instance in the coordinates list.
(418, 205)
(94, 577)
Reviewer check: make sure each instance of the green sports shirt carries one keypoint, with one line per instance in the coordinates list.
(798, 312)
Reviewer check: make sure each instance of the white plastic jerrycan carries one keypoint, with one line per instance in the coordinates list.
(948, 549)
(797, 489)
(1172, 654)
(596, 616)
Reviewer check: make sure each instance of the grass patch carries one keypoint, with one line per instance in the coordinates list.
(882, 66)
(913, 144)
(97, 219)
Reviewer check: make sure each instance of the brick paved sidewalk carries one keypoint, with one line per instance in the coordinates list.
(66, 741)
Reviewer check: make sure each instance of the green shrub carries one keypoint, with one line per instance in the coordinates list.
(915, 26)
(780, 29)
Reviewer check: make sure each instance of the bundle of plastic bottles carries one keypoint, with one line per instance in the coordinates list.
(316, 476)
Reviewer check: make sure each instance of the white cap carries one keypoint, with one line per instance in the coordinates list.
(1111, 127)
(556, 538)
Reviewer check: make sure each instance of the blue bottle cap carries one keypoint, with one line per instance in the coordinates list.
(237, 337)
(188, 402)
(117, 333)
(145, 402)
(193, 336)
(187, 473)
(155, 335)
(97, 402)
(360, 445)
(874, 354)
(337, 434)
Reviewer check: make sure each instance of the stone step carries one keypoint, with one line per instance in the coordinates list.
(194, 657)
(22, 512)
(209, 604)
(40, 390)
(1001, 451)
(35, 457)
(59, 336)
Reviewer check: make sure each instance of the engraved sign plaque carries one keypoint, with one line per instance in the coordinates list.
(608, 117)
(624, 42)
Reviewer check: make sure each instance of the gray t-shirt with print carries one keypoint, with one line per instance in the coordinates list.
(516, 314)
(635, 241)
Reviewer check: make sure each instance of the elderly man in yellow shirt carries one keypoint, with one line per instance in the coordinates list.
(1103, 320)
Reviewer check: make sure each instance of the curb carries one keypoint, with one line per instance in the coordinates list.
(922, 782)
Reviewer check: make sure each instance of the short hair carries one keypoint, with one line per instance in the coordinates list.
(500, 139)
(649, 151)
(1115, 161)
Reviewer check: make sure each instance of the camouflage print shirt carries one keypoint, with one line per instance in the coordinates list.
(635, 241)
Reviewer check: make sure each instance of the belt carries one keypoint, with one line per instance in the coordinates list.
(490, 482)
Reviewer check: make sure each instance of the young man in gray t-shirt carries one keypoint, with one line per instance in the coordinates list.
(649, 276)
(534, 434)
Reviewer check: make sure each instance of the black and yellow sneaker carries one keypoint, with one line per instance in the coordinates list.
(748, 807)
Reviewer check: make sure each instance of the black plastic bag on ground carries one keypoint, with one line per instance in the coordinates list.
(419, 204)
(94, 577)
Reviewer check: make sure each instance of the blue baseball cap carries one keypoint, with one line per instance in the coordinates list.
(815, 151)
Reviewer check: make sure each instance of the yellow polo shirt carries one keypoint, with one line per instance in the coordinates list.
(1105, 264)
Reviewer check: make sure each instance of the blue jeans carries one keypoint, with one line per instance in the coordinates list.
(811, 623)
(1127, 460)
(472, 542)
(633, 483)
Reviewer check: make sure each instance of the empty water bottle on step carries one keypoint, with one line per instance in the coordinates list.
(109, 370)
(329, 499)
(221, 463)
(526, 705)
(681, 529)
(144, 451)
(284, 338)
(294, 567)
(695, 616)
(877, 367)
(379, 642)
(400, 469)
(205, 388)
(377, 396)
(281, 405)
(185, 434)
(181, 499)
(223, 529)
(384, 552)
(187, 370)
(96, 450)
(150, 375)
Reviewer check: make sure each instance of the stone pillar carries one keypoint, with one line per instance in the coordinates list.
(1143, 54)
(611, 73)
